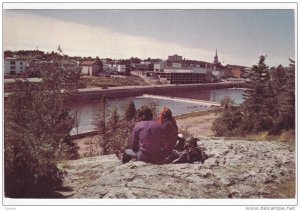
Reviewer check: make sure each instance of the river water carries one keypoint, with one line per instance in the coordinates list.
(88, 110)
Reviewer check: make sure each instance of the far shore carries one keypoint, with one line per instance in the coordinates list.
(131, 91)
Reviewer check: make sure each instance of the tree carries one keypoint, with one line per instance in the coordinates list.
(130, 111)
(56, 73)
(113, 121)
(116, 134)
(285, 112)
(100, 123)
(36, 130)
(256, 103)
(100, 63)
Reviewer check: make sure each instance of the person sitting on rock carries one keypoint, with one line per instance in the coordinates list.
(170, 129)
(147, 139)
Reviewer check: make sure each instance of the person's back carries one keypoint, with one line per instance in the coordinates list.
(147, 139)
(147, 136)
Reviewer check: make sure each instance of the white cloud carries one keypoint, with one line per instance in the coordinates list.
(29, 31)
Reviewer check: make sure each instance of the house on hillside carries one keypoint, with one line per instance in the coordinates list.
(237, 72)
(68, 64)
(234, 71)
(14, 66)
(91, 68)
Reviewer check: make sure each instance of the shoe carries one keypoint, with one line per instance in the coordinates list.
(125, 158)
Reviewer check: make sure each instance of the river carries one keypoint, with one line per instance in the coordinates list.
(88, 110)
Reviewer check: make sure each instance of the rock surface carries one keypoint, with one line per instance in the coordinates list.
(235, 169)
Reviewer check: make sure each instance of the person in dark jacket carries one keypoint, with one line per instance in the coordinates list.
(147, 139)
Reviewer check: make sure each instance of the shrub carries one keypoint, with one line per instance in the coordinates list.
(228, 123)
(37, 124)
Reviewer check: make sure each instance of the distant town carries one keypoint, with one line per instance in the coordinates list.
(173, 70)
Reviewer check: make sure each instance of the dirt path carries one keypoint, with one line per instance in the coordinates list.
(198, 126)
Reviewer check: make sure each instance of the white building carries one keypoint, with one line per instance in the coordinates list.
(14, 66)
(121, 68)
(90, 68)
(158, 66)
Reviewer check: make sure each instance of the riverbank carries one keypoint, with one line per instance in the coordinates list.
(90, 94)
(131, 91)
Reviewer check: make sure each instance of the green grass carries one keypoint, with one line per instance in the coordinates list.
(193, 114)
(91, 82)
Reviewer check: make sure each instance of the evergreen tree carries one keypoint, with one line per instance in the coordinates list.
(130, 111)
(100, 63)
(255, 106)
(285, 119)
(100, 123)
(113, 122)
(117, 133)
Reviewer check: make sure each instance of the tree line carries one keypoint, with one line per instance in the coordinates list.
(269, 103)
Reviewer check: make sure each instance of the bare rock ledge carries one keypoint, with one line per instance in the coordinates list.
(236, 169)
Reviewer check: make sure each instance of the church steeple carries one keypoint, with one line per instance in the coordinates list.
(216, 61)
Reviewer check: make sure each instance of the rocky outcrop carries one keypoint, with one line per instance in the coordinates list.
(235, 169)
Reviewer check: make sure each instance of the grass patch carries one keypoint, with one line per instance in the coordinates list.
(131, 80)
(193, 114)
(284, 190)
(287, 137)
(258, 137)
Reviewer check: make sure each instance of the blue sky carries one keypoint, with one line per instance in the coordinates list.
(241, 36)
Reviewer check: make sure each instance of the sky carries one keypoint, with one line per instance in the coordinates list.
(240, 36)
